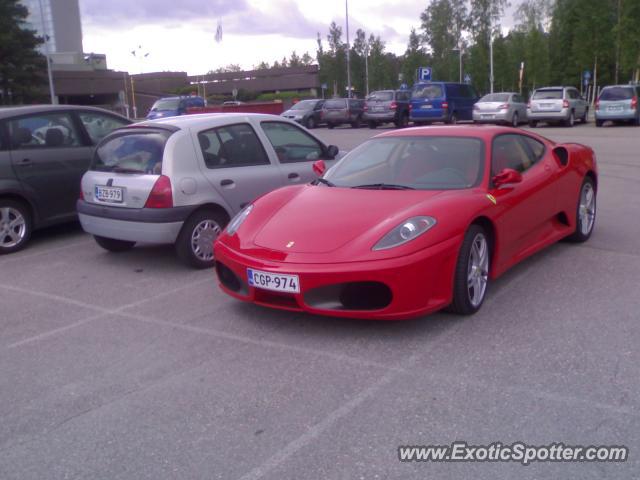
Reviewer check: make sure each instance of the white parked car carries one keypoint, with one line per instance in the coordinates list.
(180, 180)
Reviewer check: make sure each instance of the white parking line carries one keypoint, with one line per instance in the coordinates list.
(18, 257)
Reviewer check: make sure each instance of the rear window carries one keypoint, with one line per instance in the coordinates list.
(166, 104)
(381, 96)
(495, 97)
(429, 92)
(132, 152)
(617, 93)
(548, 95)
(335, 104)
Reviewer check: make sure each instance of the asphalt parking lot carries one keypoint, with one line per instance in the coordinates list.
(131, 366)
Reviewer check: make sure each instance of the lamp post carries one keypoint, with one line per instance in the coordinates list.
(141, 56)
(459, 50)
(52, 93)
(366, 66)
(346, 7)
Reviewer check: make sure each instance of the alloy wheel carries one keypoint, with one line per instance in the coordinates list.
(478, 269)
(587, 209)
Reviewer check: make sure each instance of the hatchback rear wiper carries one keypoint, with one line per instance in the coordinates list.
(324, 181)
(385, 186)
(126, 170)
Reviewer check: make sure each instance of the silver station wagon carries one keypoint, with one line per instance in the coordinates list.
(180, 180)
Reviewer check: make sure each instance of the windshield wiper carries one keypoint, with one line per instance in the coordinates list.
(323, 181)
(385, 186)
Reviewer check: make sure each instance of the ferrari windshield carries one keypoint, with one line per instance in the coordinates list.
(423, 163)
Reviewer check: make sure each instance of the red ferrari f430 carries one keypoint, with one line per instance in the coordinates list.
(410, 222)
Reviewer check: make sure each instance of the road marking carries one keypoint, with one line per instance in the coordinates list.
(17, 257)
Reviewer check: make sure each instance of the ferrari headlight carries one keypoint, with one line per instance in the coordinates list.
(236, 221)
(405, 232)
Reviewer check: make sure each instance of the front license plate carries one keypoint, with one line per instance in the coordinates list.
(108, 194)
(277, 282)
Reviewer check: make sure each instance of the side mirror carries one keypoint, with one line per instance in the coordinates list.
(332, 151)
(508, 175)
(319, 167)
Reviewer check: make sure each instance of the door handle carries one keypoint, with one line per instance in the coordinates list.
(227, 183)
(25, 162)
(293, 176)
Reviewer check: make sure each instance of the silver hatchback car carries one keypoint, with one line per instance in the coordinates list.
(618, 103)
(557, 105)
(503, 107)
(180, 180)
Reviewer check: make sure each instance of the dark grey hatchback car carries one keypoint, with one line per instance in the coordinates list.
(44, 151)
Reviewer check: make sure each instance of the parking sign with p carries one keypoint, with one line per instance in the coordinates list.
(424, 74)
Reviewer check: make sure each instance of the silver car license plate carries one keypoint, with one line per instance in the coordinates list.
(277, 282)
(108, 194)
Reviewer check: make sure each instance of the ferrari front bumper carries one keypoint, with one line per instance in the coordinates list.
(392, 289)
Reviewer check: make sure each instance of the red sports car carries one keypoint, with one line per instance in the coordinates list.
(410, 222)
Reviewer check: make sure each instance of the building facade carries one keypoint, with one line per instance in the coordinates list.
(57, 21)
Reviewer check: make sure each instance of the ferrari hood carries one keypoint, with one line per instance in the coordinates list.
(322, 219)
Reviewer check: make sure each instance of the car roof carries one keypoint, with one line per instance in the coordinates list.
(472, 131)
(198, 120)
(8, 112)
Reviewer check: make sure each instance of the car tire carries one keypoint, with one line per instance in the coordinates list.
(585, 117)
(194, 245)
(114, 245)
(636, 121)
(403, 121)
(356, 123)
(330, 126)
(514, 120)
(471, 275)
(585, 212)
(599, 123)
(533, 123)
(453, 119)
(372, 125)
(16, 224)
(570, 122)
(310, 123)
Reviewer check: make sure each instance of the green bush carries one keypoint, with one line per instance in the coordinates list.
(270, 97)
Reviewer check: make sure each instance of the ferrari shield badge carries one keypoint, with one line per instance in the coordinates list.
(492, 199)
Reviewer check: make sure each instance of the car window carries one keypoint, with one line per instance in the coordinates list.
(339, 103)
(616, 93)
(514, 151)
(131, 151)
(424, 163)
(49, 130)
(495, 97)
(232, 146)
(291, 143)
(98, 125)
(535, 147)
(428, 92)
(453, 90)
(547, 95)
(383, 96)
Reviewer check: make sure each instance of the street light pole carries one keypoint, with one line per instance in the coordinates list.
(366, 66)
(346, 6)
(46, 46)
(491, 60)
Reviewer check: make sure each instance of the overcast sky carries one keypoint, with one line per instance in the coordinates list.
(179, 35)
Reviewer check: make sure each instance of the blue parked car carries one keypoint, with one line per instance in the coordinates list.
(173, 106)
(442, 102)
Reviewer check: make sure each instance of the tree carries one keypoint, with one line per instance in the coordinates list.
(22, 68)
(414, 57)
(629, 39)
(532, 18)
(443, 24)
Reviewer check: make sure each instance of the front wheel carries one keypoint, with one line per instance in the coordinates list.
(514, 120)
(585, 213)
(453, 119)
(569, 122)
(311, 123)
(194, 245)
(356, 123)
(585, 117)
(471, 276)
(114, 245)
(15, 226)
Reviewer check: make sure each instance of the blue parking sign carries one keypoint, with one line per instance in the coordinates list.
(424, 74)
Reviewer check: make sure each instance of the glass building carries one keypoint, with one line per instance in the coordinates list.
(58, 21)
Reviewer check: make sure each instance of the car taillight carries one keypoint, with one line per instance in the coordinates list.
(565, 104)
(634, 102)
(598, 104)
(445, 105)
(529, 105)
(160, 196)
(504, 106)
(366, 107)
(393, 105)
(410, 106)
